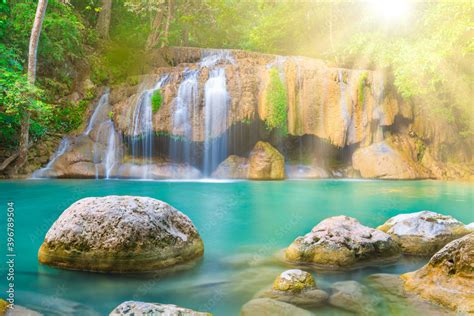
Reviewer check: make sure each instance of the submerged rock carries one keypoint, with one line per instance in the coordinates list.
(381, 161)
(16, 311)
(161, 170)
(134, 308)
(342, 242)
(423, 233)
(448, 277)
(269, 307)
(120, 234)
(397, 301)
(234, 167)
(266, 163)
(306, 172)
(354, 297)
(296, 287)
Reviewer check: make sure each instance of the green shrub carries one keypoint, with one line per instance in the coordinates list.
(278, 103)
(156, 101)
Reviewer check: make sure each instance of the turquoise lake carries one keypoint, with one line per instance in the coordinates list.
(243, 224)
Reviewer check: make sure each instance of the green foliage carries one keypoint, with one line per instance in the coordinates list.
(156, 101)
(17, 96)
(277, 99)
(429, 61)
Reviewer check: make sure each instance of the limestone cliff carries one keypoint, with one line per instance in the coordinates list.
(195, 107)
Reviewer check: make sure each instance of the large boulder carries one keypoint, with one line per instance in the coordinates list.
(354, 297)
(269, 307)
(382, 161)
(423, 233)
(342, 242)
(234, 167)
(296, 287)
(448, 277)
(266, 163)
(134, 308)
(120, 234)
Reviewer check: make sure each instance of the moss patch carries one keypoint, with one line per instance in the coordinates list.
(156, 101)
(278, 103)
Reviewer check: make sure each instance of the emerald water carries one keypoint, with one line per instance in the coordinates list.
(243, 224)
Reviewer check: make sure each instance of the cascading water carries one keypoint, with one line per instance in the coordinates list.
(343, 101)
(43, 172)
(215, 113)
(185, 109)
(378, 113)
(142, 127)
(112, 153)
(98, 115)
(211, 57)
(107, 155)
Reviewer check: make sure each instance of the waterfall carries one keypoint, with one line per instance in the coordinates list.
(343, 102)
(98, 112)
(108, 157)
(211, 57)
(111, 154)
(378, 113)
(185, 108)
(142, 125)
(215, 114)
(43, 172)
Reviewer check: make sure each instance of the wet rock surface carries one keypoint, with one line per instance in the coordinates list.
(354, 297)
(234, 167)
(296, 287)
(448, 277)
(120, 234)
(266, 163)
(270, 307)
(382, 161)
(342, 242)
(135, 308)
(423, 233)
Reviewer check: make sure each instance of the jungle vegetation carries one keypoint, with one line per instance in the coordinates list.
(428, 49)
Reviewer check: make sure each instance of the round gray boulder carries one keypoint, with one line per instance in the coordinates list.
(120, 234)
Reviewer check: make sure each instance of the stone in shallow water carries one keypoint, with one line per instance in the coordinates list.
(234, 167)
(16, 311)
(120, 234)
(354, 297)
(296, 287)
(306, 172)
(269, 307)
(266, 163)
(134, 308)
(423, 233)
(397, 301)
(342, 242)
(448, 277)
(294, 280)
(381, 161)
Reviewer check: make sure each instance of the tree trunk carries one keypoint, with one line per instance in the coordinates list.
(33, 48)
(169, 16)
(155, 32)
(103, 22)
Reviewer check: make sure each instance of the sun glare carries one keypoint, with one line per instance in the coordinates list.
(391, 9)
